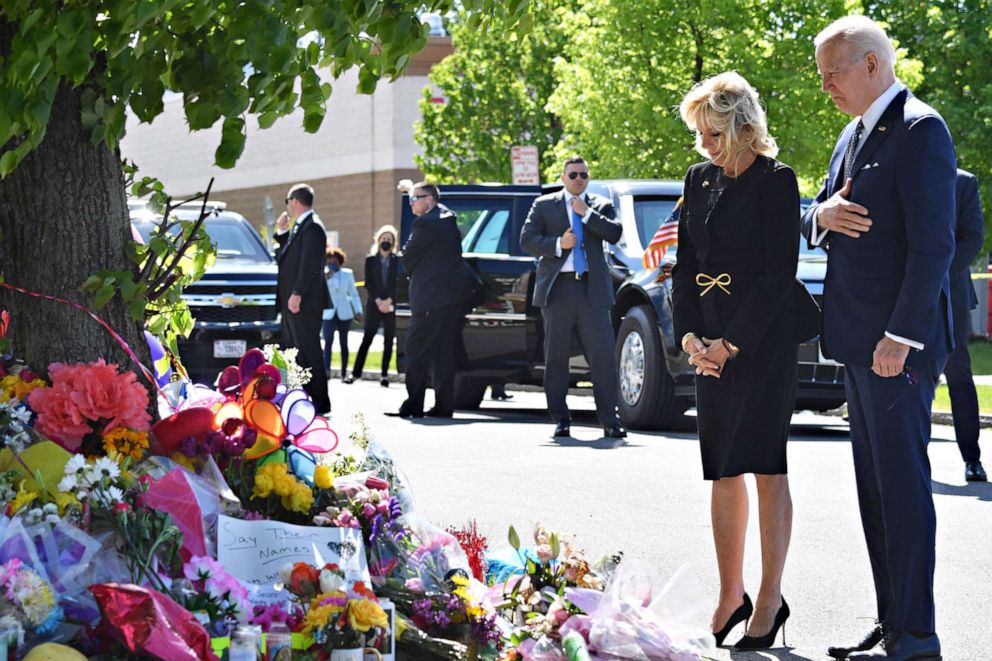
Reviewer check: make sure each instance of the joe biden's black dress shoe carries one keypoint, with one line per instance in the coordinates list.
(435, 412)
(902, 646)
(873, 638)
(563, 428)
(614, 431)
(974, 472)
(406, 414)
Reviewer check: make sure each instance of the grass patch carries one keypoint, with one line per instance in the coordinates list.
(373, 362)
(942, 402)
(981, 356)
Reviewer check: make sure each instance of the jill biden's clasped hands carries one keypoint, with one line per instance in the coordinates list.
(708, 356)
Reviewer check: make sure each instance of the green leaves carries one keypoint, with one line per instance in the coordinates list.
(232, 142)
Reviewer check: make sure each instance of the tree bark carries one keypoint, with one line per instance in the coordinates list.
(63, 217)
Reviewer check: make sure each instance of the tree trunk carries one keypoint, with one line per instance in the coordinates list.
(63, 217)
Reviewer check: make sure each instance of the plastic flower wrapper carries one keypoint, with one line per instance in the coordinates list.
(69, 558)
(643, 618)
(380, 462)
(192, 503)
(421, 559)
(149, 623)
(45, 458)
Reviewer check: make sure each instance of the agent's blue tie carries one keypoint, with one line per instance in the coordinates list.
(579, 252)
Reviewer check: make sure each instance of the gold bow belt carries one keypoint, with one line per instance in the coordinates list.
(708, 282)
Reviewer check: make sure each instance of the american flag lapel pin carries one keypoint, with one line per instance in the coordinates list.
(882, 128)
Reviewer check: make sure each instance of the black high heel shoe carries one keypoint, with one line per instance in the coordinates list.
(766, 641)
(742, 614)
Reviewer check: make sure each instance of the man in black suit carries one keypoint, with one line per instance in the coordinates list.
(886, 215)
(301, 293)
(565, 231)
(969, 235)
(440, 283)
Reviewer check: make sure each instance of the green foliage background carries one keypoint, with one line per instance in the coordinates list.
(604, 78)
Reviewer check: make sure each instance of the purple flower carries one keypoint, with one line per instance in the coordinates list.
(189, 447)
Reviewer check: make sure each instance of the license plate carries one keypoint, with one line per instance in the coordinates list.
(229, 348)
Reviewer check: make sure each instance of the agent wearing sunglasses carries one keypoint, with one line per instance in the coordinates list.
(565, 231)
(301, 291)
(440, 284)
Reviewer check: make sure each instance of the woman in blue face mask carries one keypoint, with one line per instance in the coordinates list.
(345, 306)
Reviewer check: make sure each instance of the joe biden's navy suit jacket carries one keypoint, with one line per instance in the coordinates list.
(894, 277)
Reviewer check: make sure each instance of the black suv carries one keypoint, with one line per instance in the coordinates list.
(234, 303)
(504, 335)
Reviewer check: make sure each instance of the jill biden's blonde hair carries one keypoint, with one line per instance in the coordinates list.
(727, 103)
(377, 239)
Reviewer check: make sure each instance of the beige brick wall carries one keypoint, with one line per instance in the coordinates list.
(353, 205)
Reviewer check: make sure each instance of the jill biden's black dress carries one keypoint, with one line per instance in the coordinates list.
(735, 278)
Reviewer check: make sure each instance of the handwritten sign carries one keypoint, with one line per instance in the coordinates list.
(254, 551)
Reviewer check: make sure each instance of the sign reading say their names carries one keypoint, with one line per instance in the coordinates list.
(254, 551)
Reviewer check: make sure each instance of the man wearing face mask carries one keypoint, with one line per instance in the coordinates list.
(565, 231)
(440, 283)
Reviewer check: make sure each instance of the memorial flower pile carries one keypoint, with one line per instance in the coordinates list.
(120, 525)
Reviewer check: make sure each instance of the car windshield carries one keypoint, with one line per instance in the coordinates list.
(234, 239)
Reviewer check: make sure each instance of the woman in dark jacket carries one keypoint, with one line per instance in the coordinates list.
(741, 314)
(380, 286)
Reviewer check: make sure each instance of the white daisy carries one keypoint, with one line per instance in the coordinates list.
(108, 497)
(106, 467)
(68, 483)
(75, 465)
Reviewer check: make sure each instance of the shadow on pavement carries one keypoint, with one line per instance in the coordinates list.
(601, 443)
(783, 654)
(980, 490)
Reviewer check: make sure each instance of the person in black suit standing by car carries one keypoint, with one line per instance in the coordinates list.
(565, 231)
(969, 236)
(440, 284)
(300, 291)
(380, 287)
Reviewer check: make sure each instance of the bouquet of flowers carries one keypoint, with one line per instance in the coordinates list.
(29, 597)
(219, 599)
(336, 615)
(106, 495)
(87, 403)
(461, 614)
(534, 595)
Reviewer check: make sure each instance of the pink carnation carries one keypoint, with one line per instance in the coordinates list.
(83, 393)
(58, 417)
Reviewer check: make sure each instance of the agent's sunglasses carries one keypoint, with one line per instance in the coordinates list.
(573, 175)
(414, 198)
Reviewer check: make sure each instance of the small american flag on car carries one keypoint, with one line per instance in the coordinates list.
(666, 235)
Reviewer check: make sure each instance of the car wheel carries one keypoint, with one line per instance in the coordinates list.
(469, 391)
(647, 392)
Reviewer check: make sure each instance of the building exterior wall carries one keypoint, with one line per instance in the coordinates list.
(364, 146)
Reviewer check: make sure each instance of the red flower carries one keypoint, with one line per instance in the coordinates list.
(121, 507)
(304, 580)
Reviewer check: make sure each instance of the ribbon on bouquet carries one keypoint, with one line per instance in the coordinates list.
(114, 334)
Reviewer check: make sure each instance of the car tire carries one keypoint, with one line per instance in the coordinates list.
(647, 392)
(469, 391)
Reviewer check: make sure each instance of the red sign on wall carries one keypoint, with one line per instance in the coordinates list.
(525, 165)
